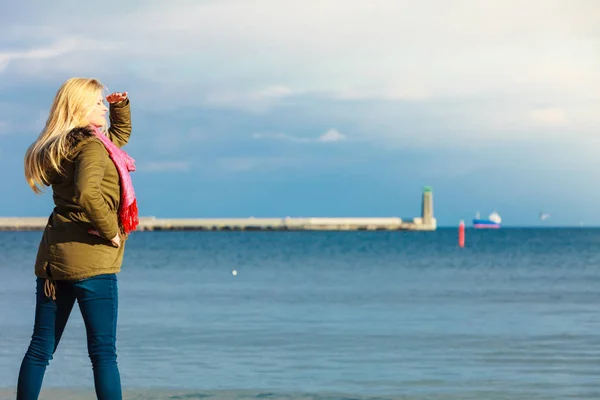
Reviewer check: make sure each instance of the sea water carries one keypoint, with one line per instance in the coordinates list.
(332, 315)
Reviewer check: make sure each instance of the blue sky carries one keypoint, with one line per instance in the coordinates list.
(325, 107)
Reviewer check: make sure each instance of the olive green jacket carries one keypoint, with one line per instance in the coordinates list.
(86, 197)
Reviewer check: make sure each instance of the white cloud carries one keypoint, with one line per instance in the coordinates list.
(260, 100)
(332, 135)
(165, 166)
(384, 48)
(491, 62)
(381, 48)
(61, 47)
(549, 116)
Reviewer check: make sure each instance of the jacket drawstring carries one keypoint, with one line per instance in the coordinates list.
(49, 284)
(50, 288)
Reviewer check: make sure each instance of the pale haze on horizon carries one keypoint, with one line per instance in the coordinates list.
(277, 108)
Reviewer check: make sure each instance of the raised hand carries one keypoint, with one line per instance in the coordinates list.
(116, 97)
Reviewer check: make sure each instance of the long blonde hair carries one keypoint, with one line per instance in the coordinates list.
(72, 105)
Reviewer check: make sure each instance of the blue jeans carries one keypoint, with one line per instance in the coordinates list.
(98, 301)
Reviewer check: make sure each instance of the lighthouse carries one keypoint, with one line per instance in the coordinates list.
(427, 207)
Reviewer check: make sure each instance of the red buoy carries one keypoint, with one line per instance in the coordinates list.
(461, 234)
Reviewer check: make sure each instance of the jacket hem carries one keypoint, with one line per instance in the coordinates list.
(78, 277)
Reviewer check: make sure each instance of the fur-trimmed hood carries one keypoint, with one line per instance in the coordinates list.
(77, 135)
(73, 140)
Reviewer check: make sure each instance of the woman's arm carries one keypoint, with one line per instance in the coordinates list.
(89, 171)
(120, 119)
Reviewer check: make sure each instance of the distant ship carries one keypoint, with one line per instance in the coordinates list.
(493, 221)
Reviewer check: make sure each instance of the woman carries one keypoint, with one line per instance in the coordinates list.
(82, 245)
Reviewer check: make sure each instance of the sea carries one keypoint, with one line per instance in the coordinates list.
(515, 314)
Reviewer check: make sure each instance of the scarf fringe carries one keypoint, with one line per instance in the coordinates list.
(129, 217)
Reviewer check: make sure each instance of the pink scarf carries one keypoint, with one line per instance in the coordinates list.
(128, 211)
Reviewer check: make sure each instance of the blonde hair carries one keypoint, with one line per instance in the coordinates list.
(72, 105)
